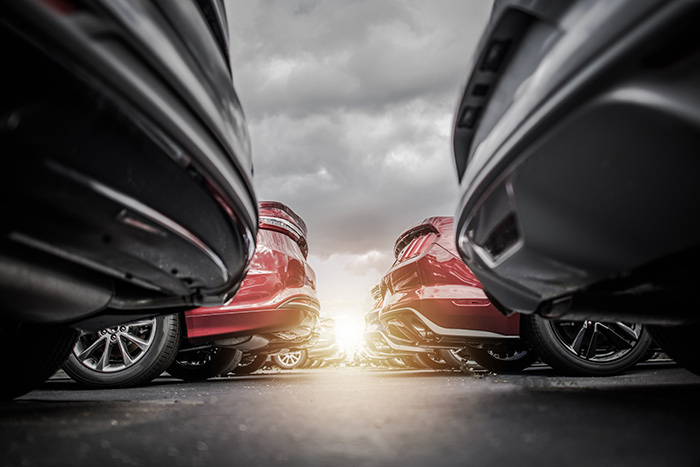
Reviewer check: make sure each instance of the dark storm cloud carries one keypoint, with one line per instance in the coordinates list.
(349, 104)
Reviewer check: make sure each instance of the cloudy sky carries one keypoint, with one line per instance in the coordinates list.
(349, 105)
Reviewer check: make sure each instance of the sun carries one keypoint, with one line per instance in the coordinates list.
(349, 329)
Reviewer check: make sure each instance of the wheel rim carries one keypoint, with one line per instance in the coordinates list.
(595, 341)
(290, 358)
(115, 349)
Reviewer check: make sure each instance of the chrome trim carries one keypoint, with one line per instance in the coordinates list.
(401, 350)
(282, 223)
(143, 210)
(450, 332)
(404, 348)
(298, 303)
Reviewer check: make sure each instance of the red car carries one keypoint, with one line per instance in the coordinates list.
(432, 305)
(276, 310)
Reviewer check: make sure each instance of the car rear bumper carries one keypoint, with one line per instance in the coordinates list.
(209, 324)
(558, 203)
(409, 325)
(129, 154)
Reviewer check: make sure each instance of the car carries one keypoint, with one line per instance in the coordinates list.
(433, 309)
(129, 191)
(326, 351)
(575, 143)
(275, 309)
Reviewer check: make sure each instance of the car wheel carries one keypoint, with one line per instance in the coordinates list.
(590, 348)
(250, 363)
(679, 343)
(42, 351)
(128, 355)
(432, 361)
(455, 358)
(290, 360)
(503, 358)
(202, 364)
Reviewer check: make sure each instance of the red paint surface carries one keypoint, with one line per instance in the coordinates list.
(438, 284)
(278, 273)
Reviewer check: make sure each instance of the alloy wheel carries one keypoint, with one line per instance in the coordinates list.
(290, 359)
(117, 348)
(595, 341)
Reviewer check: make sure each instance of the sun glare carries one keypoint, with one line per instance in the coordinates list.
(349, 330)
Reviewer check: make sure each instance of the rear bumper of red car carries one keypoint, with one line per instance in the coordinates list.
(210, 324)
(445, 323)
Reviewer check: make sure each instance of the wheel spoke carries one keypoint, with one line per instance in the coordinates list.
(614, 337)
(577, 343)
(145, 322)
(126, 358)
(85, 354)
(104, 360)
(592, 342)
(626, 331)
(142, 344)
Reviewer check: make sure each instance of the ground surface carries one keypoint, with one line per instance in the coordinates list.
(363, 417)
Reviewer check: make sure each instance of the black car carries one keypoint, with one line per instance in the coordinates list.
(128, 170)
(576, 143)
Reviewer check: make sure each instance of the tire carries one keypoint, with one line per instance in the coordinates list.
(290, 360)
(33, 353)
(128, 355)
(454, 358)
(587, 348)
(504, 358)
(250, 364)
(679, 343)
(199, 365)
(431, 361)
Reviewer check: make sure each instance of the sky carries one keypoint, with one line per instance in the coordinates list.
(349, 105)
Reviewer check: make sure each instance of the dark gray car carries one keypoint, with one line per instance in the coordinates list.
(576, 143)
(127, 189)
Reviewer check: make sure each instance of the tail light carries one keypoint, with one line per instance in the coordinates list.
(416, 245)
(280, 218)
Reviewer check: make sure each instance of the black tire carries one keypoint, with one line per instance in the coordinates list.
(290, 360)
(199, 365)
(454, 358)
(250, 364)
(35, 363)
(111, 358)
(587, 348)
(679, 343)
(503, 358)
(431, 361)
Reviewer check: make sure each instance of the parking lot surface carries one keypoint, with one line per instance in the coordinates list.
(363, 417)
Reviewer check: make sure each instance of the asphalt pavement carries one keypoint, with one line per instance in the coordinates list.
(363, 417)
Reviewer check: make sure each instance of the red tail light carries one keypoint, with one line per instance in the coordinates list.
(279, 218)
(417, 246)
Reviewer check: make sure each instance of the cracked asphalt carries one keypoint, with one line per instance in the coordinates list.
(363, 417)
